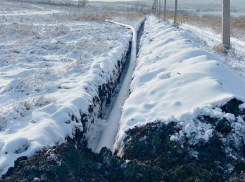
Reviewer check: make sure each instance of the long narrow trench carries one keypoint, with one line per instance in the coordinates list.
(107, 112)
(107, 127)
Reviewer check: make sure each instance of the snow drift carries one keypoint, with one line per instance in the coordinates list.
(175, 80)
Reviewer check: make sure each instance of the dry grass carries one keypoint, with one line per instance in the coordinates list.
(220, 49)
(88, 15)
(80, 17)
(213, 22)
(132, 15)
(61, 30)
(18, 29)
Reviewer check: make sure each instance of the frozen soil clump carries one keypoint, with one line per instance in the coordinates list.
(148, 155)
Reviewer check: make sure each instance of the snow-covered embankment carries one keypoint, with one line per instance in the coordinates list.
(80, 97)
(175, 81)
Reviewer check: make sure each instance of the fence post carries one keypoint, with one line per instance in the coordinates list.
(175, 12)
(226, 23)
(165, 9)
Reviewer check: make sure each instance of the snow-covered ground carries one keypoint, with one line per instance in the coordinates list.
(176, 81)
(210, 40)
(108, 137)
(52, 61)
(54, 58)
(218, 13)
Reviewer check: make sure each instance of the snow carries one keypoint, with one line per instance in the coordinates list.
(51, 65)
(235, 57)
(174, 138)
(108, 136)
(230, 117)
(212, 38)
(176, 81)
(17, 145)
(242, 106)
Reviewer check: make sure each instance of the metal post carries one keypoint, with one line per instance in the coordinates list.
(175, 12)
(226, 23)
(165, 9)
